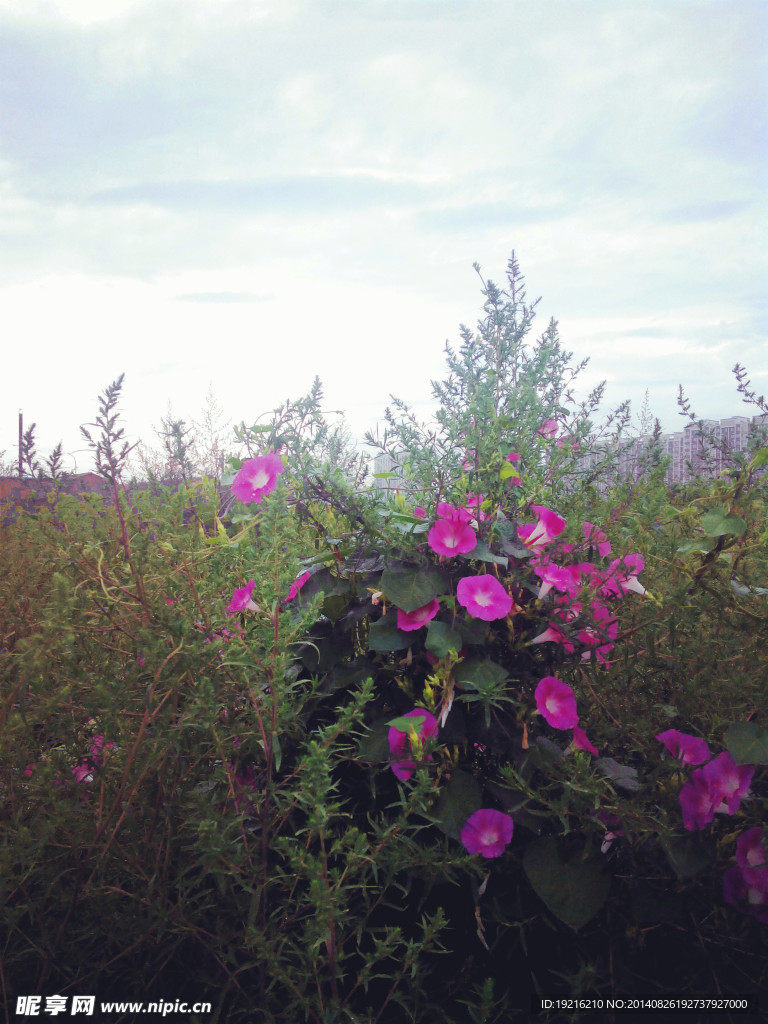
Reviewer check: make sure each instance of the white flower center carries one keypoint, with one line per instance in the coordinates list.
(260, 478)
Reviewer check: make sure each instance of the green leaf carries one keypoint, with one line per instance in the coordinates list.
(412, 588)
(405, 722)
(473, 631)
(687, 855)
(479, 675)
(760, 458)
(441, 639)
(482, 553)
(693, 546)
(718, 523)
(335, 605)
(507, 471)
(385, 636)
(458, 801)
(374, 746)
(620, 774)
(747, 743)
(568, 879)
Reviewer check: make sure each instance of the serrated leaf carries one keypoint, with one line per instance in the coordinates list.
(458, 801)
(568, 879)
(412, 588)
(441, 639)
(747, 743)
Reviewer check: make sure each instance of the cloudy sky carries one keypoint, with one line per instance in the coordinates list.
(241, 194)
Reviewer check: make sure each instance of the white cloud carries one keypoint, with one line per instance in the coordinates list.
(193, 188)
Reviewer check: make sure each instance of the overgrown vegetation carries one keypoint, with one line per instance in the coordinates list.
(197, 789)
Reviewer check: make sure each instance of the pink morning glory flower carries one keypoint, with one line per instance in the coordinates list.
(556, 702)
(451, 537)
(738, 891)
(596, 539)
(556, 636)
(548, 428)
(728, 781)
(613, 831)
(513, 457)
(599, 639)
(487, 832)
(420, 511)
(689, 749)
(697, 802)
(619, 580)
(752, 858)
(257, 477)
(296, 586)
(562, 578)
(97, 746)
(83, 773)
(581, 742)
(483, 597)
(549, 526)
(419, 617)
(446, 511)
(241, 599)
(400, 743)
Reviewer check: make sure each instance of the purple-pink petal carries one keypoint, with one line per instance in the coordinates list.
(689, 749)
(697, 802)
(752, 858)
(581, 741)
(242, 599)
(409, 621)
(727, 780)
(400, 743)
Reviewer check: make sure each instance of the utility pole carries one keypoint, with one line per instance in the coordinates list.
(21, 435)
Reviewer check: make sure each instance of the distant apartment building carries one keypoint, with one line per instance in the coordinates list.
(384, 463)
(692, 451)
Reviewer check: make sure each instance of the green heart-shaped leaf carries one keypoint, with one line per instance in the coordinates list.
(747, 743)
(412, 588)
(441, 639)
(569, 880)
